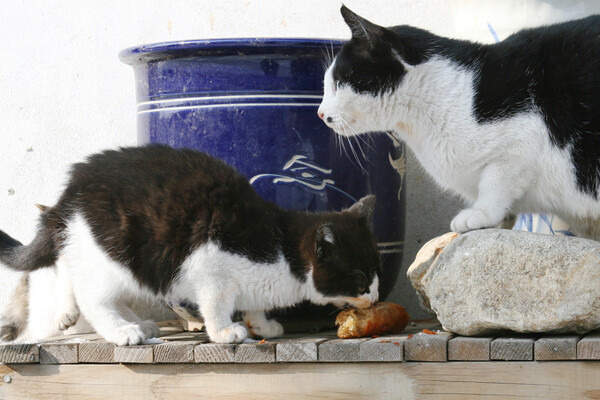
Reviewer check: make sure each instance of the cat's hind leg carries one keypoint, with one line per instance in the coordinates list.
(260, 326)
(101, 286)
(67, 311)
(15, 316)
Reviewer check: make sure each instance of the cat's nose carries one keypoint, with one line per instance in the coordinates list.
(320, 114)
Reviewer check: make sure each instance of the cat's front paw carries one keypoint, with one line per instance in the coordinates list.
(470, 219)
(127, 335)
(234, 333)
(67, 320)
(265, 329)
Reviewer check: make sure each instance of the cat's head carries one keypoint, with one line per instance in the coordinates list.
(361, 78)
(344, 257)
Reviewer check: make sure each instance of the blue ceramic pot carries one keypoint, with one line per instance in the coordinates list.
(253, 103)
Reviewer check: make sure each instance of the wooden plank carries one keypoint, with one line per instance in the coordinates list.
(175, 352)
(74, 338)
(19, 353)
(298, 350)
(340, 350)
(588, 348)
(464, 348)
(59, 353)
(255, 352)
(214, 353)
(512, 349)
(383, 349)
(97, 352)
(556, 348)
(140, 354)
(201, 337)
(425, 347)
(424, 381)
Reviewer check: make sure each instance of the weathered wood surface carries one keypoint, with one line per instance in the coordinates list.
(469, 349)
(97, 352)
(19, 353)
(340, 350)
(411, 380)
(427, 347)
(212, 353)
(588, 348)
(299, 350)
(142, 354)
(59, 353)
(413, 345)
(387, 348)
(555, 348)
(512, 349)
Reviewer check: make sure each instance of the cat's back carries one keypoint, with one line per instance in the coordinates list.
(560, 34)
(158, 165)
(153, 175)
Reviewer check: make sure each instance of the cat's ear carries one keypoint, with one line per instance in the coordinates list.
(361, 28)
(365, 207)
(324, 240)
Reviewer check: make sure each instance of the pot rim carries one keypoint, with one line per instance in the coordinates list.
(146, 53)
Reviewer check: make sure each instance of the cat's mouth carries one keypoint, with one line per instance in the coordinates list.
(359, 302)
(343, 126)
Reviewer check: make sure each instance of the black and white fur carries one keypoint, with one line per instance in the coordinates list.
(154, 221)
(512, 126)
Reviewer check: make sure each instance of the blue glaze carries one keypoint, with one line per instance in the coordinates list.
(253, 103)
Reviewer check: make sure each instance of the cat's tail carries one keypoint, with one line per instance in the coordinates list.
(41, 252)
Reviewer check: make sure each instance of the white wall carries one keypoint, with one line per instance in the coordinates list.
(65, 94)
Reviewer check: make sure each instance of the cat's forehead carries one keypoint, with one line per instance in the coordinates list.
(367, 70)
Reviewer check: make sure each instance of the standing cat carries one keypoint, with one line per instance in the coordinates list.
(512, 126)
(155, 221)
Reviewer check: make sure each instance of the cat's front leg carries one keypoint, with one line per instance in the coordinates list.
(217, 311)
(499, 187)
(261, 327)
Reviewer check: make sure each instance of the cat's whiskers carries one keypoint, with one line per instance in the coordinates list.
(342, 308)
(346, 127)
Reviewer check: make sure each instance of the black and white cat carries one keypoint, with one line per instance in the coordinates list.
(155, 221)
(512, 126)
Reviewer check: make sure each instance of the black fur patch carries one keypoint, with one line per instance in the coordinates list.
(554, 70)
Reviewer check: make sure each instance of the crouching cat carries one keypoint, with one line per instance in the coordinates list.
(155, 221)
(512, 126)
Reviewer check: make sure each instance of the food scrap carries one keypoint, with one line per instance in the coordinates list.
(382, 318)
(262, 341)
(427, 331)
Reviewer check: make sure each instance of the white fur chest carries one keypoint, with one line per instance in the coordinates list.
(253, 286)
(434, 108)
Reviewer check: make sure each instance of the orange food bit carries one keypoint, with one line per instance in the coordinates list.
(427, 331)
(262, 341)
(384, 341)
(397, 344)
(409, 336)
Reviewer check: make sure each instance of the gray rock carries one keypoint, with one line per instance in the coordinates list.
(492, 280)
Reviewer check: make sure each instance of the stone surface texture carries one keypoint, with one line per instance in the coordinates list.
(492, 280)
